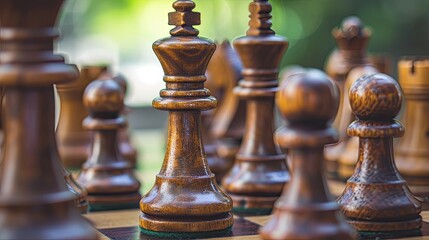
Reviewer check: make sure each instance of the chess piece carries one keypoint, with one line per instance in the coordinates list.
(306, 210)
(352, 39)
(185, 198)
(34, 200)
(412, 154)
(228, 122)
(259, 173)
(73, 141)
(106, 175)
(376, 198)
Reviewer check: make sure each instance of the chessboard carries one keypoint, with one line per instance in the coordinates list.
(123, 224)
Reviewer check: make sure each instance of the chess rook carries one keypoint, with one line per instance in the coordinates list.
(412, 155)
(306, 210)
(185, 198)
(376, 198)
(259, 173)
(107, 176)
(352, 39)
(35, 202)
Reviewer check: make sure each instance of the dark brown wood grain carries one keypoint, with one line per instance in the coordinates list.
(227, 127)
(35, 202)
(306, 210)
(107, 175)
(352, 39)
(259, 173)
(376, 198)
(185, 197)
(412, 154)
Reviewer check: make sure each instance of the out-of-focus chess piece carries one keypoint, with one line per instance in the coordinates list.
(107, 175)
(412, 152)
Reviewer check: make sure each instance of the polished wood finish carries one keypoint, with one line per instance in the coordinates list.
(107, 176)
(227, 127)
(306, 210)
(34, 200)
(185, 197)
(376, 198)
(412, 153)
(352, 39)
(259, 173)
(74, 142)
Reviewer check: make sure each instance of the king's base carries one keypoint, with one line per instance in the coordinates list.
(185, 225)
(253, 205)
(382, 227)
(113, 202)
(187, 235)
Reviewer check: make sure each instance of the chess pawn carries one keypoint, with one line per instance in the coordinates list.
(412, 153)
(259, 173)
(107, 176)
(306, 210)
(376, 198)
(74, 141)
(34, 200)
(352, 39)
(227, 127)
(185, 199)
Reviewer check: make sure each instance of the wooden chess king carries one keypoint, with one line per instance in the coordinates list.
(185, 198)
(34, 200)
(257, 178)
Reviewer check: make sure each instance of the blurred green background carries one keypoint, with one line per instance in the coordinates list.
(121, 32)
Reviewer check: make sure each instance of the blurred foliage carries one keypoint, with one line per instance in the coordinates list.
(399, 27)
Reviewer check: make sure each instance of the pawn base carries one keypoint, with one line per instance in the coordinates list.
(169, 226)
(113, 202)
(379, 227)
(253, 205)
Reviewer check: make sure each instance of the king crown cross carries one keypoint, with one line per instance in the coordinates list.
(184, 19)
(260, 18)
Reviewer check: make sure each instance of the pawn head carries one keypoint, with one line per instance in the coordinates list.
(308, 97)
(104, 96)
(375, 97)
